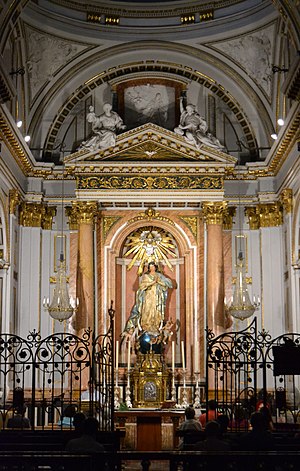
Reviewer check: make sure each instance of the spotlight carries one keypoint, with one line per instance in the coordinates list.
(27, 138)
(280, 121)
(19, 123)
(274, 136)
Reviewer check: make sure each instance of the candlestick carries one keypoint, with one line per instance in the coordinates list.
(173, 356)
(117, 361)
(196, 365)
(128, 357)
(182, 355)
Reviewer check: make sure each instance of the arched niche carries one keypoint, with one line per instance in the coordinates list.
(116, 283)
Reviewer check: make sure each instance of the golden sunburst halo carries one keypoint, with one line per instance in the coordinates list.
(149, 244)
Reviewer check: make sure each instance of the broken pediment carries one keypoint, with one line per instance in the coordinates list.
(151, 143)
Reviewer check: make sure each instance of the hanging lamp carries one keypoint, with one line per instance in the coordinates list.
(62, 306)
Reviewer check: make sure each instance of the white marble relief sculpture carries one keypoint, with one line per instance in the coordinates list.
(105, 128)
(46, 55)
(254, 53)
(194, 128)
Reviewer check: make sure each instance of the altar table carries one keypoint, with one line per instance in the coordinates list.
(149, 430)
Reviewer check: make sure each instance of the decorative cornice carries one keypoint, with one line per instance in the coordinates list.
(14, 200)
(132, 11)
(36, 215)
(14, 147)
(150, 182)
(86, 212)
(287, 142)
(192, 223)
(286, 199)
(214, 212)
(108, 223)
(228, 215)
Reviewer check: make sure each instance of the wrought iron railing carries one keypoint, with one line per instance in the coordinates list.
(248, 368)
(56, 376)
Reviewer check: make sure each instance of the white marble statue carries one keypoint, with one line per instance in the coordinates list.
(105, 128)
(194, 128)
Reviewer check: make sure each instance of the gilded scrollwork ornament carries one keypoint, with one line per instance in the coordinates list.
(172, 182)
(108, 223)
(192, 223)
(252, 214)
(72, 215)
(47, 218)
(14, 200)
(228, 216)
(286, 199)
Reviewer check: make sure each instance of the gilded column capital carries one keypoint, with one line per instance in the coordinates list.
(271, 214)
(213, 212)
(228, 215)
(36, 215)
(286, 199)
(14, 200)
(31, 214)
(86, 211)
(252, 214)
(47, 218)
(72, 215)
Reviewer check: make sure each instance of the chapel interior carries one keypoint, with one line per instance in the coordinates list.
(199, 173)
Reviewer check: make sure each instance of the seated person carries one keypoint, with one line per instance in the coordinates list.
(259, 438)
(213, 440)
(189, 425)
(67, 417)
(18, 420)
(211, 413)
(87, 442)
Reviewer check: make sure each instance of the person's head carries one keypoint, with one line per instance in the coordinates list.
(265, 411)
(78, 420)
(107, 107)
(190, 109)
(189, 413)
(20, 410)
(70, 411)
(239, 414)
(212, 404)
(212, 429)
(258, 421)
(90, 426)
(152, 267)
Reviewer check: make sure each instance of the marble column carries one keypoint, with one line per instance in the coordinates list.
(213, 214)
(86, 213)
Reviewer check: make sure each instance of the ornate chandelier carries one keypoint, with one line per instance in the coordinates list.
(62, 306)
(241, 306)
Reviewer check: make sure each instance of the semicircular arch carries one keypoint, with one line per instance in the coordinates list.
(93, 78)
